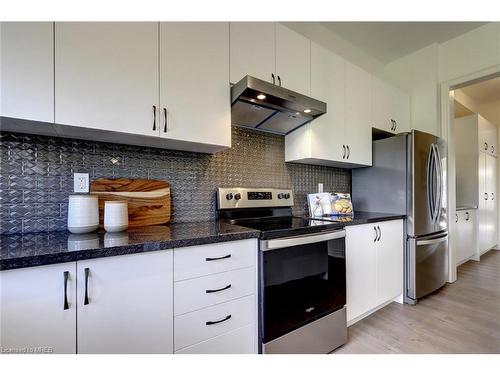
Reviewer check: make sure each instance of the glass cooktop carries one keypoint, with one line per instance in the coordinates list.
(287, 226)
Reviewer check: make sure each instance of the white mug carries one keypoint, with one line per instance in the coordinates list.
(115, 216)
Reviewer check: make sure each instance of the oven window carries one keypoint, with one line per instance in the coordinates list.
(301, 284)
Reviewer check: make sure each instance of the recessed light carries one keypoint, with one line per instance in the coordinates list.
(261, 96)
(307, 110)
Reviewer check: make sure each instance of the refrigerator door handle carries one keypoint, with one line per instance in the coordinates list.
(439, 179)
(435, 240)
(430, 189)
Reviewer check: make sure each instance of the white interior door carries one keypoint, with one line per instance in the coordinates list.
(194, 73)
(107, 76)
(129, 307)
(252, 50)
(33, 309)
(358, 116)
(327, 85)
(293, 60)
(27, 70)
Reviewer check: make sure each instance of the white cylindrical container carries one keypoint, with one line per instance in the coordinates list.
(115, 216)
(83, 213)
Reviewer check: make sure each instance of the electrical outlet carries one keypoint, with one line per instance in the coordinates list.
(81, 182)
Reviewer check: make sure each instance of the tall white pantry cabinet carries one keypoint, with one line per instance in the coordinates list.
(476, 161)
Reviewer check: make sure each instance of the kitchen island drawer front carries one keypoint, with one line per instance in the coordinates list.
(196, 261)
(195, 327)
(239, 341)
(195, 294)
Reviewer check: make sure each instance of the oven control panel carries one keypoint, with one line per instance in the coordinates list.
(228, 198)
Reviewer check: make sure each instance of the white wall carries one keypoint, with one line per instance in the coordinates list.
(422, 72)
(334, 42)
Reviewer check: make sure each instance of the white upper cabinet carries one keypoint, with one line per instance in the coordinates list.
(107, 76)
(401, 110)
(293, 60)
(390, 107)
(382, 116)
(342, 136)
(27, 70)
(252, 50)
(125, 304)
(194, 82)
(358, 116)
(487, 136)
(321, 140)
(38, 308)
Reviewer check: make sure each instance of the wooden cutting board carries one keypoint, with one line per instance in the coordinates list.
(148, 201)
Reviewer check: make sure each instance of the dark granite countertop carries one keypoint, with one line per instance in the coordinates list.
(34, 249)
(363, 217)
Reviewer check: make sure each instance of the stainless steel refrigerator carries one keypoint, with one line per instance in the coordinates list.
(408, 177)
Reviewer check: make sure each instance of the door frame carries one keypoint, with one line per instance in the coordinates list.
(447, 109)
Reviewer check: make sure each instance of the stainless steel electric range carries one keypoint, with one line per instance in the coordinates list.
(302, 287)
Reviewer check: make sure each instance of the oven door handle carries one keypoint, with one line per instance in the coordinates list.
(279, 243)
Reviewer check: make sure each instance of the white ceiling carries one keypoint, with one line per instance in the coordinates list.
(388, 41)
(484, 92)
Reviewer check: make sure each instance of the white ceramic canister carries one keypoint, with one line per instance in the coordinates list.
(115, 216)
(83, 213)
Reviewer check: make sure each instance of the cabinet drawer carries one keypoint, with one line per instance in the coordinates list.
(194, 294)
(239, 341)
(192, 328)
(191, 262)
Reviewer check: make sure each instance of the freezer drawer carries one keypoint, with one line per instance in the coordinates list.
(427, 264)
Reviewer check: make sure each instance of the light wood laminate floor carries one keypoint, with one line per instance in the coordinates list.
(463, 317)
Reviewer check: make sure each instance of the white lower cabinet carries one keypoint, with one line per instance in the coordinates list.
(466, 245)
(215, 298)
(239, 341)
(125, 304)
(197, 326)
(38, 309)
(374, 266)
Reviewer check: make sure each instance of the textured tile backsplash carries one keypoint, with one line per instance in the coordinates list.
(36, 175)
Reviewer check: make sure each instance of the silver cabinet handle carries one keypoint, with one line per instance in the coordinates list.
(87, 274)
(274, 79)
(348, 152)
(154, 118)
(66, 277)
(376, 234)
(493, 149)
(467, 216)
(165, 115)
(279, 81)
(343, 154)
(492, 196)
(379, 233)
(218, 321)
(456, 218)
(485, 196)
(395, 125)
(485, 146)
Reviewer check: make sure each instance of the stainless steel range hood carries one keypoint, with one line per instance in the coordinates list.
(264, 106)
